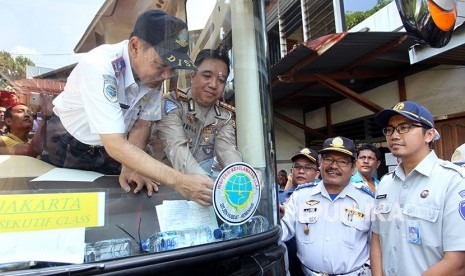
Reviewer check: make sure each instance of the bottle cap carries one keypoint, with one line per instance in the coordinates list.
(217, 233)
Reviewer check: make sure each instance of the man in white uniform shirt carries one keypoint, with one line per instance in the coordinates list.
(102, 119)
(330, 218)
(420, 206)
(458, 158)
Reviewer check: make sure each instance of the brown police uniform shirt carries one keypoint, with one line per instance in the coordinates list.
(191, 134)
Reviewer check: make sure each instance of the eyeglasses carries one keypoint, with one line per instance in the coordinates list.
(305, 168)
(340, 162)
(401, 128)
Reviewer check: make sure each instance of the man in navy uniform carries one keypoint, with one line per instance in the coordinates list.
(304, 170)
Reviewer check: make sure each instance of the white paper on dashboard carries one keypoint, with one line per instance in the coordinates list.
(64, 246)
(61, 174)
(183, 214)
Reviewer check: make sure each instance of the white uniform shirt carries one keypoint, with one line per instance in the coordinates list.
(420, 216)
(89, 106)
(338, 239)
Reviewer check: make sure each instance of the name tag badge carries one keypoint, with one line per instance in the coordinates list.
(308, 215)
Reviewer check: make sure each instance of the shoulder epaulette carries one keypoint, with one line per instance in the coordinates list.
(180, 95)
(389, 173)
(307, 185)
(228, 107)
(365, 189)
(450, 165)
(357, 185)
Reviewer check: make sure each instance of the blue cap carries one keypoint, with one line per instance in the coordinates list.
(307, 153)
(168, 35)
(340, 144)
(409, 110)
(218, 234)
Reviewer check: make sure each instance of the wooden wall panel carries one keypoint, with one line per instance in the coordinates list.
(452, 135)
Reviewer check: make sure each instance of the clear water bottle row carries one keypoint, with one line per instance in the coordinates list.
(108, 249)
(168, 240)
(257, 224)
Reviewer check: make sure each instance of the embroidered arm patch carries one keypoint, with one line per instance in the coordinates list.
(169, 106)
(109, 88)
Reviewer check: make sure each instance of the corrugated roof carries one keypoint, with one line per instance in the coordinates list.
(360, 61)
(26, 86)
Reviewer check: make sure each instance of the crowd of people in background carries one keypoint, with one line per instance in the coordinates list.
(22, 130)
(2, 120)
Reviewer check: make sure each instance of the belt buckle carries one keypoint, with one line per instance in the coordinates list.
(324, 274)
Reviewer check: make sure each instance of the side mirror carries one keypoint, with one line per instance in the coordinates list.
(430, 22)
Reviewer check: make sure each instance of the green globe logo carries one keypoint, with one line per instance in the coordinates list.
(236, 193)
(238, 190)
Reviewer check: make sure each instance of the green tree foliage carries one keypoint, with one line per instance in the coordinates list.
(353, 18)
(12, 68)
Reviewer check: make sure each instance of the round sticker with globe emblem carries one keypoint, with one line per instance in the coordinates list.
(236, 193)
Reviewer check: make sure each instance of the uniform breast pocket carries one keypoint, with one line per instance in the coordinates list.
(425, 218)
(353, 231)
(382, 211)
(307, 228)
(301, 235)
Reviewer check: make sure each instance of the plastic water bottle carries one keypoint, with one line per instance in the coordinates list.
(228, 231)
(256, 224)
(108, 249)
(169, 240)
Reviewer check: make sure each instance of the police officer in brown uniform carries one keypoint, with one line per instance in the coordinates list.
(195, 127)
